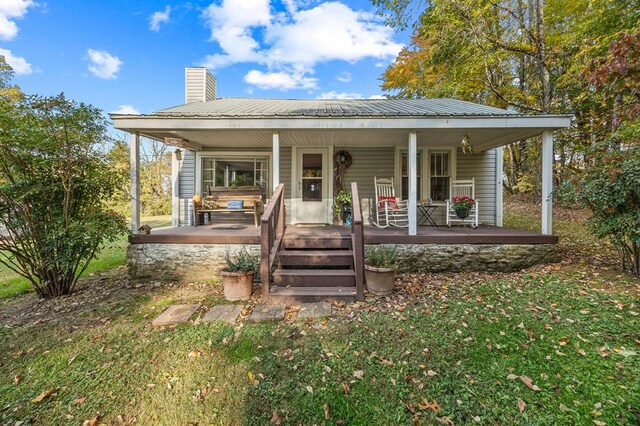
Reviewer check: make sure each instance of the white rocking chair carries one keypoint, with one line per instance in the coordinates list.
(387, 210)
(458, 188)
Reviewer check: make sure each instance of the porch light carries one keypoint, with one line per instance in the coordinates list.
(178, 153)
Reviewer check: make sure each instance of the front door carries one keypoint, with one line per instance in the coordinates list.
(312, 185)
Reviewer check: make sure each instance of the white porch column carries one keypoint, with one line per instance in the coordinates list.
(547, 182)
(412, 165)
(135, 182)
(275, 160)
(499, 186)
(175, 190)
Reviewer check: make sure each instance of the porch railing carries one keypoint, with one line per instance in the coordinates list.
(272, 226)
(357, 240)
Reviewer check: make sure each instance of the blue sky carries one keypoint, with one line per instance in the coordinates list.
(129, 56)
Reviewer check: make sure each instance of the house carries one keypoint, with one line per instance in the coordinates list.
(299, 144)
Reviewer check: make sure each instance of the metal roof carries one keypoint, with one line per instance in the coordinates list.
(251, 107)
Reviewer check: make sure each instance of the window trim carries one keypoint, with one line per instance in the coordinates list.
(424, 151)
(197, 185)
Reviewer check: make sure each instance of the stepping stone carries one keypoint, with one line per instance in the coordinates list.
(227, 313)
(175, 314)
(314, 310)
(267, 313)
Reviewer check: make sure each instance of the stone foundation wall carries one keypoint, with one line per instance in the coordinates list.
(197, 262)
(473, 257)
(175, 262)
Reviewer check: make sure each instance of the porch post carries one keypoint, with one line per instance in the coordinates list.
(499, 187)
(275, 160)
(135, 182)
(547, 181)
(412, 165)
(175, 192)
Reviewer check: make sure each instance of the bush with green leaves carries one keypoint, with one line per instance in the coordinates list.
(55, 188)
(241, 261)
(381, 256)
(611, 190)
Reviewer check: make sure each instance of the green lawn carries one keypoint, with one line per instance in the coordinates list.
(556, 344)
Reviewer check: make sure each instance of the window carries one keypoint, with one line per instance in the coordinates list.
(234, 171)
(404, 170)
(439, 175)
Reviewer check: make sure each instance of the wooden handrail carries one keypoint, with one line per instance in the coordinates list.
(357, 240)
(272, 227)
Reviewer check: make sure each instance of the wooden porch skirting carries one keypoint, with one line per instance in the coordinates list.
(182, 254)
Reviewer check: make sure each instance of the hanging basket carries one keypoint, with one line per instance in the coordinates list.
(462, 213)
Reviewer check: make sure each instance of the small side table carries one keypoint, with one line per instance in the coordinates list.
(425, 214)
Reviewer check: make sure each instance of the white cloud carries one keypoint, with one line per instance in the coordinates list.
(103, 64)
(20, 65)
(297, 39)
(280, 80)
(339, 95)
(126, 109)
(344, 77)
(158, 18)
(11, 10)
(377, 97)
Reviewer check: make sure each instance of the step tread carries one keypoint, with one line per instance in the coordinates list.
(316, 272)
(312, 291)
(326, 252)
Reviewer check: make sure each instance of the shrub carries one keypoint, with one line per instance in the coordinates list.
(55, 185)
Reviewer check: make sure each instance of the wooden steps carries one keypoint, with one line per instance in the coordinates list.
(313, 269)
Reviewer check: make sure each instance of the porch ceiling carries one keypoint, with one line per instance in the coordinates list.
(480, 139)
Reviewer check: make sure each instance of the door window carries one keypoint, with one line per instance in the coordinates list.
(312, 177)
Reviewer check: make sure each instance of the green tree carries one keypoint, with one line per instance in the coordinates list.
(528, 55)
(55, 185)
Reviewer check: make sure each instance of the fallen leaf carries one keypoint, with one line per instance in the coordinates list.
(477, 419)
(431, 373)
(527, 381)
(80, 400)
(596, 413)
(275, 418)
(445, 420)
(521, 405)
(44, 395)
(512, 377)
(194, 354)
(346, 388)
(325, 408)
(309, 389)
(599, 423)
(93, 422)
(358, 374)
(582, 352)
(17, 378)
(603, 351)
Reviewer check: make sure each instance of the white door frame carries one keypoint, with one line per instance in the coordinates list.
(327, 180)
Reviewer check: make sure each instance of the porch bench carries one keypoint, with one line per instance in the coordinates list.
(218, 202)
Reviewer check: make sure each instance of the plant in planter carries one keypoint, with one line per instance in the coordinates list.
(380, 269)
(237, 275)
(342, 207)
(462, 205)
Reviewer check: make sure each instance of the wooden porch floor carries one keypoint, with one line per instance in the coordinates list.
(249, 234)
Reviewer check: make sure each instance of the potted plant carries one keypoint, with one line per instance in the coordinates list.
(342, 207)
(462, 205)
(380, 269)
(237, 275)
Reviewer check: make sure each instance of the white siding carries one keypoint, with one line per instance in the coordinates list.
(482, 167)
(367, 163)
(186, 183)
(285, 177)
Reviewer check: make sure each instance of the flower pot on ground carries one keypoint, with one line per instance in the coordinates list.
(380, 269)
(237, 275)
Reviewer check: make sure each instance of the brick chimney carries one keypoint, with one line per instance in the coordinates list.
(199, 85)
